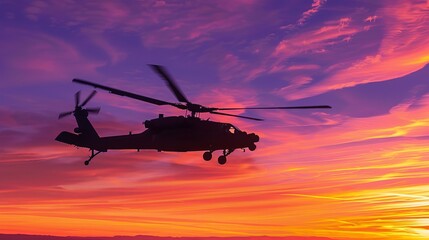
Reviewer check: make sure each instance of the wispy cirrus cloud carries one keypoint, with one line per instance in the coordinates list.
(371, 18)
(334, 37)
(315, 7)
(401, 51)
(315, 41)
(314, 44)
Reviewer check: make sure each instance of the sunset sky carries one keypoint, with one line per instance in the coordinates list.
(357, 171)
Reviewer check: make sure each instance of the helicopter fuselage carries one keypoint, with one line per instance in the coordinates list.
(174, 133)
(183, 134)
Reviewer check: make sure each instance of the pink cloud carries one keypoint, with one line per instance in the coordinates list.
(34, 56)
(371, 18)
(294, 84)
(311, 42)
(303, 67)
(272, 59)
(402, 51)
(315, 7)
(328, 35)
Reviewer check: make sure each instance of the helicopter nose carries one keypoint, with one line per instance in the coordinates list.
(253, 137)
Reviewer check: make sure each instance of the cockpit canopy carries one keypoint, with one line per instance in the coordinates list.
(231, 128)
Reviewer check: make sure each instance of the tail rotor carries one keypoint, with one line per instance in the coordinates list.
(78, 109)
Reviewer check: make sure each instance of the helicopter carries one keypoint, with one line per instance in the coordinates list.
(170, 134)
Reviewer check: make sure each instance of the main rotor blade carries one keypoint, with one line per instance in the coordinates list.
(88, 98)
(93, 110)
(64, 114)
(232, 115)
(170, 83)
(127, 94)
(294, 107)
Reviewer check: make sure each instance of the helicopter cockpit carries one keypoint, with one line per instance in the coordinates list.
(231, 128)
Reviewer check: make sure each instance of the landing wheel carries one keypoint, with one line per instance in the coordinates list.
(221, 160)
(252, 147)
(207, 156)
(86, 162)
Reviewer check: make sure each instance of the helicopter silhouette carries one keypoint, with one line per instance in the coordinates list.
(173, 133)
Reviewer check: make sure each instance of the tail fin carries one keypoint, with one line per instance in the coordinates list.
(86, 135)
(85, 127)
